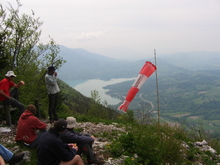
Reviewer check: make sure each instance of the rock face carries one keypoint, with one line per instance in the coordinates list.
(203, 146)
(205, 150)
(100, 143)
(92, 128)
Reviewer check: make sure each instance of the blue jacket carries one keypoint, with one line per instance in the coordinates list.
(71, 136)
(51, 149)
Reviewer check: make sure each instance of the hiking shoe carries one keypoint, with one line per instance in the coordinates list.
(16, 158)
(96, 161)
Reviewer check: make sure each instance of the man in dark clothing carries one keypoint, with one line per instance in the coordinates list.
(52, 151)
(84, 141)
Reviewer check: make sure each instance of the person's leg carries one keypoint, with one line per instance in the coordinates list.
(2, 162)
(75, 161)
(51, 106)
(86, 149)
(55, 106)
(15, 103)
(37, 139)
(10, 157)
(5, 153)
(14, 93)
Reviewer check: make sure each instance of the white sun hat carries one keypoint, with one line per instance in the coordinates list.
(10, 73)
(71, 122)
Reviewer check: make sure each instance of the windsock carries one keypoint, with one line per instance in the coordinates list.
(146, 71)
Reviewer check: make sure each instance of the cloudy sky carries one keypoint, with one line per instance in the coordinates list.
(129, 28)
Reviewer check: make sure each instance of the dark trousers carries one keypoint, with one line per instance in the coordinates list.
(37, 139)
(87, 150)
(52, 106)
(14, 101)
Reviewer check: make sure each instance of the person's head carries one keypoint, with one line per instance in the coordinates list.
(10, 75)
(31, 108)
(51, 69)
(71, 122)
(60, 125)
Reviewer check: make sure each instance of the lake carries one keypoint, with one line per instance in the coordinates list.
(86, 86)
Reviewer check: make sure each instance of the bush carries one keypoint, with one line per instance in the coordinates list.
(152, 144)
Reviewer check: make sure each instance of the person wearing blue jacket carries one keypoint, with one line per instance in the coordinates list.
(84, 141)
(53, 151)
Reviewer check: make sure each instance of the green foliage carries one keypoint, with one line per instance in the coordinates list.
(98, 110)
(25, 55)
(128, 117)
(132, 161)
(152, 144)
(74, 101)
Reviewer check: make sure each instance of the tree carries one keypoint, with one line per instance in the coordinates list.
(24, 54)
(3, 57)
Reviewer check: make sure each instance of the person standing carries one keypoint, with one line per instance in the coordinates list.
(52, 90)
(10, 97)
(30, 128)
(52, 151)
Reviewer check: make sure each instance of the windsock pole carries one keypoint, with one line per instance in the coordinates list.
(158, 100)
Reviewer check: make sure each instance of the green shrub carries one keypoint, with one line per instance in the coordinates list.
(152, 144)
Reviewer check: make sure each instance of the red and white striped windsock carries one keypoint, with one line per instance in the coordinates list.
(146, 71)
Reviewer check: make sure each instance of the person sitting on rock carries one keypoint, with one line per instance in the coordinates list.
(52, 151)
(10, 97)
(84, 141)
(9, 157)
(30, 128)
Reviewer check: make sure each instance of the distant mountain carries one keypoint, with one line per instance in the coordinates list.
(195, 60)
(82, 65)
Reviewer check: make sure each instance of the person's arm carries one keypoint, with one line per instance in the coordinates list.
(72, 137)
(39, 125)
(86, 134)
(50, 80)
(4, 95)
(21, 83)
(2, 162)
(61, 150)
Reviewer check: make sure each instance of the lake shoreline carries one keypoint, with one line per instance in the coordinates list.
(86, 86)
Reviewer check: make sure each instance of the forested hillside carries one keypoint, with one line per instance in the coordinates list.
(188, 83)
(190, 98)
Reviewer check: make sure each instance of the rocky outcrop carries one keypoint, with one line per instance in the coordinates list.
(7, 135)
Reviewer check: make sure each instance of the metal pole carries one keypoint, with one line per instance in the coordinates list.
(158, 101)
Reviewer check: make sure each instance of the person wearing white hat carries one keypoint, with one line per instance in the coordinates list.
(84, 141)
(10, 97)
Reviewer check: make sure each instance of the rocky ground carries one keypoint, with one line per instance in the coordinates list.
(7, 135)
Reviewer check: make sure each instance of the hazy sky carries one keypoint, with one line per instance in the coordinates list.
(129, 28)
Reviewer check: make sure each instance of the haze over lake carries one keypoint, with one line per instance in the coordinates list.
(86, 86)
